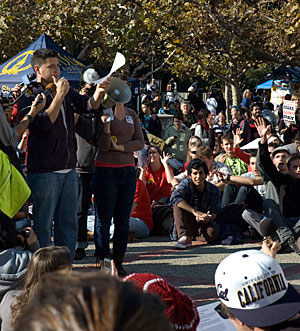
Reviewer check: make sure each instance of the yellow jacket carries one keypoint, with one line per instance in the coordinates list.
(14, 191)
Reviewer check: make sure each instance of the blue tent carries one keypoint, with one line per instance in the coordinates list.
(266, 85)
(12, 71)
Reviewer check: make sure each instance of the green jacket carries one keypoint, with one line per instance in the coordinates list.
(14, 191)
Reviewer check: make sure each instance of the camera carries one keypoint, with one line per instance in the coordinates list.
(24, 233)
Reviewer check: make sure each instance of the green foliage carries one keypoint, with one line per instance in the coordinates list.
(225, 38)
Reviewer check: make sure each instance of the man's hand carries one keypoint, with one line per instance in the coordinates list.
(35, 109)
(262, 129)
(17, 90)
(223, 178)
(25, 134)
(104, 86)
(32, 238)
(211, 120)
(270, 248)
(62, 86)
(202, 217)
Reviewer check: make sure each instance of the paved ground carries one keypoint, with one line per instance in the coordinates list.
(190, 270)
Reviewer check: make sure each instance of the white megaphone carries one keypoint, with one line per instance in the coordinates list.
(118, 92)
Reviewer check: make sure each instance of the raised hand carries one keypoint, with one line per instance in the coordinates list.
(211, 120)
(262, 129)
(104, 86)
(237, 139)
(165, 158)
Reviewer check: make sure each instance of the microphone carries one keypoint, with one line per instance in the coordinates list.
(27, 79)
(90, 75)
(50, 88)
(25, 88)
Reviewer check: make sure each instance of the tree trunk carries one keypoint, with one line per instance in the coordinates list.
(236, 99)
(227, 98)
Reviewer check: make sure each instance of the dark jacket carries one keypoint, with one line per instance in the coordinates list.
(52, 147)
(287, 187)
(87, 134)
(152, 124)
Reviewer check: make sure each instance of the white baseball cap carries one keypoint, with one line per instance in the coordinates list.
(253, 286)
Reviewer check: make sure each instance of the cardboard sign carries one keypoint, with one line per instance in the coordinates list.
(155, 141)
(289, 109)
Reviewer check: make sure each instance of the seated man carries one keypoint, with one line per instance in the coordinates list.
(196, 205)
(245, 189)
(255, 294)
(285, 214)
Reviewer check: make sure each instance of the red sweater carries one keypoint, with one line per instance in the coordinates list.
(143, 210)
(157, 184)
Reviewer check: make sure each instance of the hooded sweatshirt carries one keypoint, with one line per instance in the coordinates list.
(13, 266)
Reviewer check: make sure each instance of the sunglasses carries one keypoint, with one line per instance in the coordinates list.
(193, 152)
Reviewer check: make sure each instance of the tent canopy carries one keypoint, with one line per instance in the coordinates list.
(284, 70)
(266, 85)
(12, 71)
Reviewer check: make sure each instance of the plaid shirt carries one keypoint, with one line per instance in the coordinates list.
(210, 201)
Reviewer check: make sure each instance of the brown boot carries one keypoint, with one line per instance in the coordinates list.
(118, 257)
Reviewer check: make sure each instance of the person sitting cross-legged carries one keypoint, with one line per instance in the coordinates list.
(196, 205)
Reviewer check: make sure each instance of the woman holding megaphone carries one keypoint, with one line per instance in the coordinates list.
(114, 181)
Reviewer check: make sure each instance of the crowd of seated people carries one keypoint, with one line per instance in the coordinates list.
(236, 171)
(247, 191)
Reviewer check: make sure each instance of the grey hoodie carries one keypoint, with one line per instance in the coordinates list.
(13, 266)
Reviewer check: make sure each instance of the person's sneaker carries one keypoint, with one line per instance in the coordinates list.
(267, 227)
(184, 242)
(291, 242)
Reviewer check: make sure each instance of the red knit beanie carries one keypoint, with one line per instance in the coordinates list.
(179, 307)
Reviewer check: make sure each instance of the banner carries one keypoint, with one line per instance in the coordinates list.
(289, 109)
(155, 141)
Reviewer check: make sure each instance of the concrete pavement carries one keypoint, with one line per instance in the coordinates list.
(191, 270)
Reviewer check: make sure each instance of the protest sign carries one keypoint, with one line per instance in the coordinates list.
(155, 141)
(289, 109)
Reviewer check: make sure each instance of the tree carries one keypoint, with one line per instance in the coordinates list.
(223, 38)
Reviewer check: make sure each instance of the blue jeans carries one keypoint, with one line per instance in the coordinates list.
(55, 199)
(84, 203)
(114, 190)
(286, 226)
